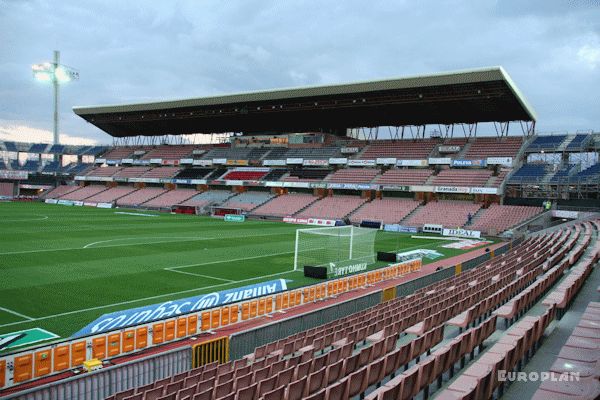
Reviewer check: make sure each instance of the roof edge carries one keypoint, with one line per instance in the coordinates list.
(230, 98)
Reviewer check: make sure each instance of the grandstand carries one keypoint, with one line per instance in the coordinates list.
(485, 295)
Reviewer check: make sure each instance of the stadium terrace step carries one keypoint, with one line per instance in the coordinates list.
(285, 205)
(388, 210)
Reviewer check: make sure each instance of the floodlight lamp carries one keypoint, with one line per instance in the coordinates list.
(42, 76)
(61, 75)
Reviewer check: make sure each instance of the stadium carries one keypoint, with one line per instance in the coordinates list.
(399, 238)
(319, 263)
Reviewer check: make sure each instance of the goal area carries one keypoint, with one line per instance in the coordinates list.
(334, 246)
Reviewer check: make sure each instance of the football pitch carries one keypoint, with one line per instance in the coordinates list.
(62, 267)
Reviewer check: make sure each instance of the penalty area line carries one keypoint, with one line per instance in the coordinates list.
(17, 314)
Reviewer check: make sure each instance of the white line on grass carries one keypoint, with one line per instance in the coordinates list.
(17, 314)
(200, 275)
(145, 298)
(43, 218)
(186, 238)
(133, 244)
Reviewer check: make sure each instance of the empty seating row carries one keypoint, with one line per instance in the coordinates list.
(208, 198)
(131, 172)
(336, 207)
(450, 214)
(140, 196)
(285, 205)
(248, 200)
(481, 148)
(546, 142)
(307, 174)
(405, 176)
(244, 175)
(579, 355)
(353, 175)
(329, 362)
(193, 173)
(400, 149)
(481, 378)
(497, 218)
(169, 152)
(162, 172)
(83, 192)
(388, 210)
(461, 177)
(112, 194)
(60, 191)
(170, 198)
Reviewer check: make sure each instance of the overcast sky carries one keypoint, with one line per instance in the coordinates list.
(130, 51)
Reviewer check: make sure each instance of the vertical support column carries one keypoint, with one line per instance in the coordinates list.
(296, 252)
(351, 240)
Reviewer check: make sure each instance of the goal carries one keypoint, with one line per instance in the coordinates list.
(334, 246)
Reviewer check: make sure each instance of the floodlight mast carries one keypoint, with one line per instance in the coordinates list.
(56, 96)
(57, 74)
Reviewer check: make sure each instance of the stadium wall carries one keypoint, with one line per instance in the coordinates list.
(103, 383)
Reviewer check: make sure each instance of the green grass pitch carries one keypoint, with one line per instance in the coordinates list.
(62, 267)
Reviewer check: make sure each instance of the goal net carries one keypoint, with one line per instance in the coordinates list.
(334, 246)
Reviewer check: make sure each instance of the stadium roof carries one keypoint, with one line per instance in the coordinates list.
(478, 95)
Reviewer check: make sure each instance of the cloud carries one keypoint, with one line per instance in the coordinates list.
(17, 132)
(589, 55)
(148, 51)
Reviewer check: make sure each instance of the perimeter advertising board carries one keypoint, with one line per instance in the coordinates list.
(155, 312)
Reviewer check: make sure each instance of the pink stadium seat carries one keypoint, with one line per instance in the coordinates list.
(171, 198)
(499, 218)
(169, 152)
(335, 207)
(112, 194)
(161, 172)
(353, 175)
(140, 196)
(285, 205)
(118, 153)
(462, 177)
(400, 149)
(84, 192)
(483, 147)
(450, 214)
(104, 171)
(57, 191)
(388, 210)
(131, 172)
(405, 176)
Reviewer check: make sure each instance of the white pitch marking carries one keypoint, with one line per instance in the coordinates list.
(203, 276)
(17, 314)
(126, 244)
(44, 217)
(186, 238)
(146, 298)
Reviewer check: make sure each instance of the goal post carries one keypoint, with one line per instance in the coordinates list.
(334, 246)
